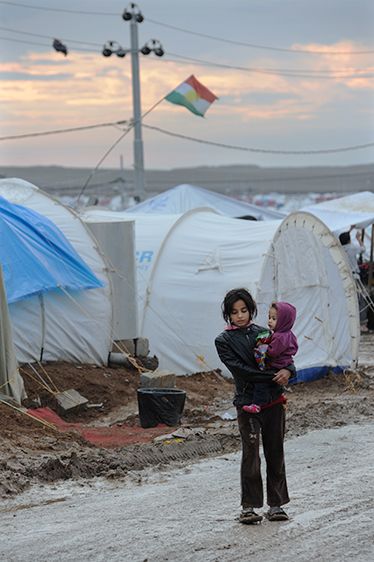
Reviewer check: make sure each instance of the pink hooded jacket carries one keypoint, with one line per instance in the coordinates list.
(283, 343)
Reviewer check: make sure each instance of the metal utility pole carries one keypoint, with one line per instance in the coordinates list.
(133, 14)
(136, 101)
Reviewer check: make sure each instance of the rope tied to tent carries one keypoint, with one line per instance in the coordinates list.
(46, 386)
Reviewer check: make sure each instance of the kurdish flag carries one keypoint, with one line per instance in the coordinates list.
(193, 95)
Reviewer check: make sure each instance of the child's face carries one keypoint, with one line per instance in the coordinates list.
(239, 314)
(273, 317)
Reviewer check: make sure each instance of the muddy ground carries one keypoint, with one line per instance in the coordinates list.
(33, 453)
(189, 513)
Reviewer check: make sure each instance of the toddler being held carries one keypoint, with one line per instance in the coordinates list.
(274, 349)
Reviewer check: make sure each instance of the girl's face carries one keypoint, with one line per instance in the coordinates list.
(239, 314)
(273, 317)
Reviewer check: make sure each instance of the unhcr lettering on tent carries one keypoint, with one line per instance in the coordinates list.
(144, 259)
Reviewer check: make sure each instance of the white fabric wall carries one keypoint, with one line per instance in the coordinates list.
(203, 256)
(150, 232)
(306, 266)
(77, 326)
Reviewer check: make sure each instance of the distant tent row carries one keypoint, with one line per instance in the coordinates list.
(185, 197)
(339, 214)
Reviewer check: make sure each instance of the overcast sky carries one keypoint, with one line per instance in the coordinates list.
(330, 106)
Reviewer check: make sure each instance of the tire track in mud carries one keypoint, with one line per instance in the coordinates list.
(118, 464)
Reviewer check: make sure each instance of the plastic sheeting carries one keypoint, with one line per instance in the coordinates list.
(62, 325)
(36, 257)
(185, 197)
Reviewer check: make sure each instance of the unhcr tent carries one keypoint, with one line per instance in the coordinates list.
(185, 197)
(186, 263)
(306, 265)
(339, 214)
(57, 287)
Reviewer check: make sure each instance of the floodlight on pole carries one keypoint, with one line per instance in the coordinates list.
(133, 14)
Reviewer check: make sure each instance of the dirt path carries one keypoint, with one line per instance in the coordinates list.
(189, 514)
(30, 453)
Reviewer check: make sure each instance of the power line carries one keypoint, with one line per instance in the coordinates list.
(25, 42)
(93, 172)
(21, 32)
(190, 32)
(291, 73)
(59, 131)
(40, 44)
(269, 70)
(256, 46)
(61, 10)
(259, 150)
(284, 72)
(186, 137)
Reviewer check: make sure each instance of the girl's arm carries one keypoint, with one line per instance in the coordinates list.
(283, 376)
(237, 367)
(231, 359)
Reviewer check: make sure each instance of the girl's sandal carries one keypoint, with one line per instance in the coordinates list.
(277, 514)
(248, 516)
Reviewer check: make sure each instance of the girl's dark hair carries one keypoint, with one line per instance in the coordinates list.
(235, 295)
(344, 238)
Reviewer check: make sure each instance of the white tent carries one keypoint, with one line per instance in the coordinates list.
(339, 214)
(307, 266)
(187, 262)
(71, 326)
(185, 197)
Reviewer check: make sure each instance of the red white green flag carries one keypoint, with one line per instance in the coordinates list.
(193, 95)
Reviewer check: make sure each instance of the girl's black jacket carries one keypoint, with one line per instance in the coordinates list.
(235, 349)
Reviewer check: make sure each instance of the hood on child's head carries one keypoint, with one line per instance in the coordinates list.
(286, 316)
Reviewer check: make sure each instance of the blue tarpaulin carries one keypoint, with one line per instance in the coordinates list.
(36, 257)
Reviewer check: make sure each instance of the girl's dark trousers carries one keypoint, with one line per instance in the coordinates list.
(270, 423)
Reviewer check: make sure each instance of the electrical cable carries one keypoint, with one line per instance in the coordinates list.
(207, 36)
(92, 173)
(256, 46)
(59, 131)
(183, 59)
(11, 30)
(131, 126)
(292, 73)
(222, 65)
(259, 150)
(179, 135)
(284, 72)
(41, 44)
(61, 10)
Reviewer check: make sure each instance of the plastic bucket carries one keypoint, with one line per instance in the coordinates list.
(160, 405)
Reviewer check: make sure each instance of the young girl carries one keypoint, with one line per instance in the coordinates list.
(274, 349)
(235, 347)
